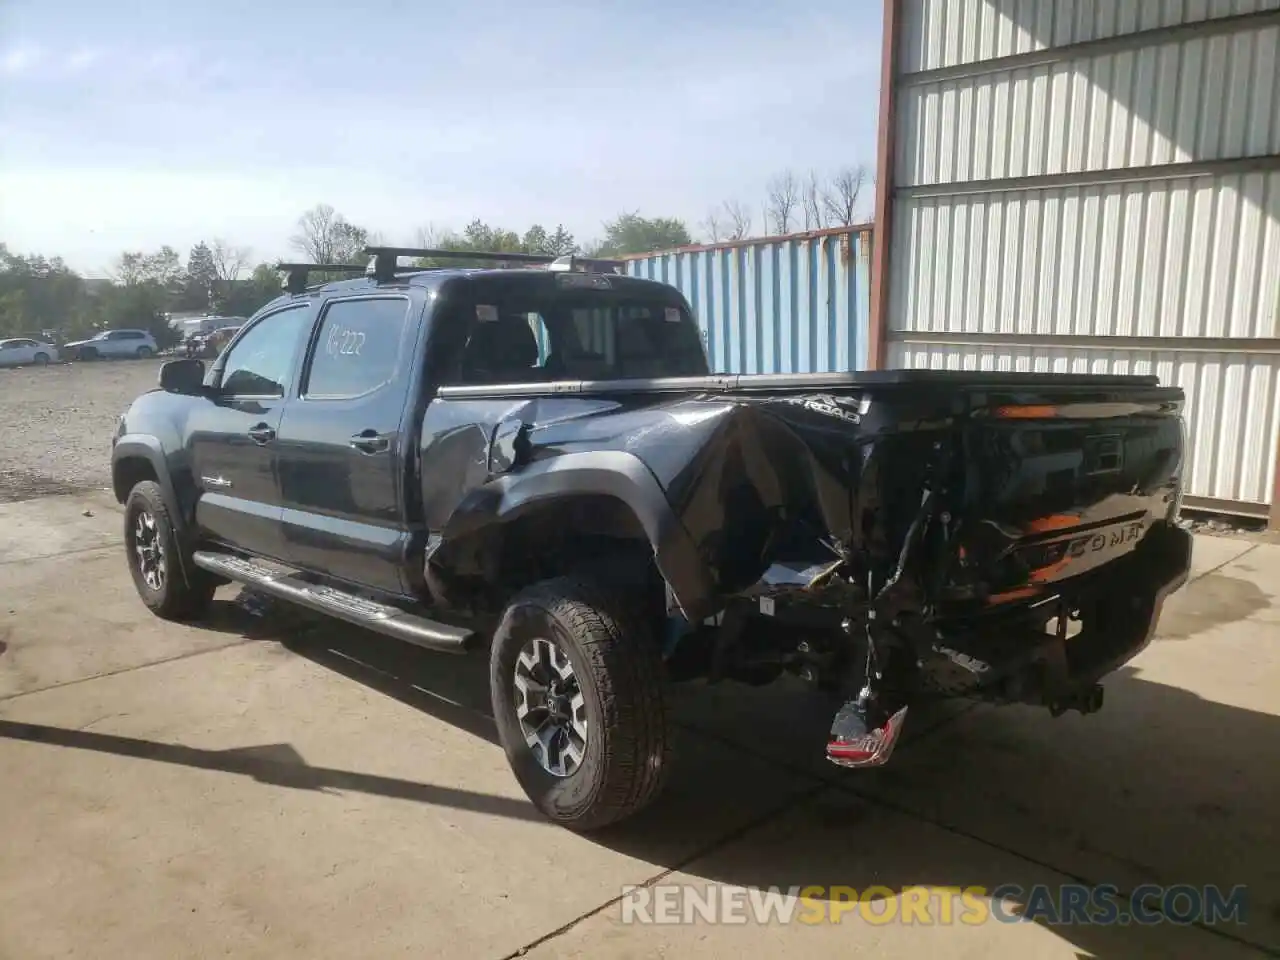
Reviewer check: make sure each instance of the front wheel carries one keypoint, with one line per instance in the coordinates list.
(576, 682)
(151, 545)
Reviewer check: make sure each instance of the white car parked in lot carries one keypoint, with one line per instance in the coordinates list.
(114, 343)
(19, 351)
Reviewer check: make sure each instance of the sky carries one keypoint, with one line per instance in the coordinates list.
(187, 121)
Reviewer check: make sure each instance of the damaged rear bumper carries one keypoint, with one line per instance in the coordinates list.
(1058, 670)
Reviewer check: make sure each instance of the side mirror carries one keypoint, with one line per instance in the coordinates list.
(184, 376)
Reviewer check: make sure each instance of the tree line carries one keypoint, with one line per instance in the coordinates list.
(42, 295)
(792, 203)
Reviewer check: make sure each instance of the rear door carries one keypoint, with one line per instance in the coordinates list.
(234, 433)
(343, 450)
(116, 345)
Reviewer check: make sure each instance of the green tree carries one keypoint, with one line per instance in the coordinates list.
(480, 236)
(163, 268)
(536, 240)
(632, 233)
(561, 242)
(201, 280)
(137, 305)
(247, 297)
(13, 313)
(40, 293)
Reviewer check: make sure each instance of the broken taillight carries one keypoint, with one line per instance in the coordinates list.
(869, 750)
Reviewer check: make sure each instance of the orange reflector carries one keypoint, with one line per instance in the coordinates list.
(1026, 412)
(1055, 521)
(1019, 594)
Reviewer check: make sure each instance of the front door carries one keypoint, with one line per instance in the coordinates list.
(15, 352)
(234, 435)
(342, 451)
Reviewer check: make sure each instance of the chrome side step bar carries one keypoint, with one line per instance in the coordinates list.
(379, 617)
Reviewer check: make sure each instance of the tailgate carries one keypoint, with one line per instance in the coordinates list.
(1058, 485)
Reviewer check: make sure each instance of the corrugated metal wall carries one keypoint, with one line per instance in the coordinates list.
(791, 304)
(1095, 185)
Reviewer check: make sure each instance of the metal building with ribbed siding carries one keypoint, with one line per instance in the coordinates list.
(1092, 185)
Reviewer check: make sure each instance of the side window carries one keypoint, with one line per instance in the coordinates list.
(259, 364)
(357, 348)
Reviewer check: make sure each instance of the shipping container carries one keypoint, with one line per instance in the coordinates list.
(789, 304)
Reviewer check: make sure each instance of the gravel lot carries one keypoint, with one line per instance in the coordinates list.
(56, 424)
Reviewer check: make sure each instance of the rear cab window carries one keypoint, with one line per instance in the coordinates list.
(522, 331)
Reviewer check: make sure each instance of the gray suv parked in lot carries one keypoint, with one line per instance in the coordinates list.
(114, 343)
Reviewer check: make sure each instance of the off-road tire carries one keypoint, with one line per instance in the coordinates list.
(616, 661)
(176, 598)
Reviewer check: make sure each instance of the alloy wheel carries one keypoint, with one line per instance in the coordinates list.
(550, 707)
(149, 549)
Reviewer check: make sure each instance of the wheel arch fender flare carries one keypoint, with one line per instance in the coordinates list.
(134, 448)
(622, 476)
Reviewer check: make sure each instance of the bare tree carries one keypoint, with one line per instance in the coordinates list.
(317, 235)
(229, 261)
(713, 226)
(784, 195)
(840, 200)
(815, 217)
(739, 216)
(432, 236)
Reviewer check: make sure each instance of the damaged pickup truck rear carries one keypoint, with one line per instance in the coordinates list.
(536, 460)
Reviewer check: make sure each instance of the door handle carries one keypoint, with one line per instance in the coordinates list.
(370, 441)
(261, 433)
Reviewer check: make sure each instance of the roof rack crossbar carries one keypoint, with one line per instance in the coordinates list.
(384, 266)
(296, 281)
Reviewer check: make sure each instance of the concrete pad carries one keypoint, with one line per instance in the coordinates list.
(47, 527)
(1174, 781)
(77, 616)
(1244, 588)
(785, 722)
(839, 841)
(251, 801)
(1208, 553)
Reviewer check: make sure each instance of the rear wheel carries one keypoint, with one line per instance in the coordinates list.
(144, 352)
(578, 695)
(152, 551)
(40, 359)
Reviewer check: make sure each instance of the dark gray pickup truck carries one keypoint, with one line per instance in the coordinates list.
(534, 458)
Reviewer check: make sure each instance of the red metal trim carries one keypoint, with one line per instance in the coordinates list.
(858, 228)
(1273, 518)
(879, 323)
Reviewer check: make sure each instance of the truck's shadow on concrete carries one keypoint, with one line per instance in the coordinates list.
(1161, 787)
